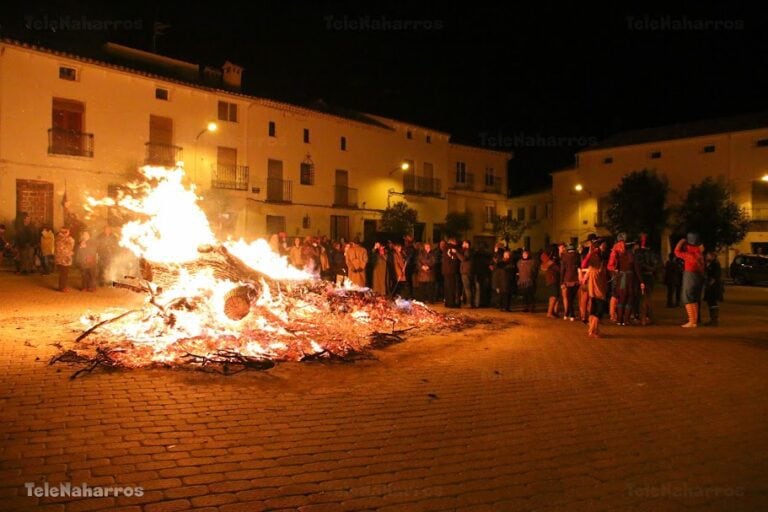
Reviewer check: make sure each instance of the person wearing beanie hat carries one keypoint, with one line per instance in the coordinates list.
(693, 275)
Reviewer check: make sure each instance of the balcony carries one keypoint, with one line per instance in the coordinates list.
(165, 155)
(468, 183)
(230, 177)
(344, 197)
(759, 214)
(492, 186)
(69, 142)
(421, 185)
(279, 191)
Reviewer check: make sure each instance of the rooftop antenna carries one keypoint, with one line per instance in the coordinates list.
(158, 29)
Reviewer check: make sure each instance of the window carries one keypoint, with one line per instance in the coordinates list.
(603, 205)
(228, 111)
(227, 174)
(656, 154)
(509, 214)
(429, 139)
(490, 214)
(709, 149)
(306, 223)
(527, 243)
(272, 129)
(66, 136)
(161, 94)
(490, 177)
(67, 73)
(521, 213)
(762, 143)
(608, 160)
(307, 173)
(343, 143)
(548, 211)
(429, 170)
(534, 212)
(461, 172)
(409, 134)
(306, 135)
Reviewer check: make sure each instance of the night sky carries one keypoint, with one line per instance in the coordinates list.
(489, 74)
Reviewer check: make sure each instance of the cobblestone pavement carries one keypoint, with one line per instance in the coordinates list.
(531, 415)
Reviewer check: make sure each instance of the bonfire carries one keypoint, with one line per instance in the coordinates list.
(227, 305)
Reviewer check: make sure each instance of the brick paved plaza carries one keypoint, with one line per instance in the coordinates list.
(507, 417)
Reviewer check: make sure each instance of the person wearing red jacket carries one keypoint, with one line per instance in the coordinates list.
(626, 270)
(689, 250)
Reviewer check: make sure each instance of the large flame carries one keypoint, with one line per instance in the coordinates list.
(187, 316)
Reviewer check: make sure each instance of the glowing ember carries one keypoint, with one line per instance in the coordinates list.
(232, 302)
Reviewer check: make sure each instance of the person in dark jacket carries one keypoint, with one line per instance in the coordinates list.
(481, 265)
(466, 269)
(569, 281)
(339, 265)
(87, 260)
(450, 271)
(527, 271)
(426, 270)
(27, 239)
(501, 280)
(551, 271)
(713, 288)
(673, 278)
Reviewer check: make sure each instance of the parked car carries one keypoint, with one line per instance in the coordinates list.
(749, 268)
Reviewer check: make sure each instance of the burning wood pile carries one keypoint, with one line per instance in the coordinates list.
(228, 306)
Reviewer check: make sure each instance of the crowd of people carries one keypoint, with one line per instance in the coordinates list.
(598, 277)
(34, 249)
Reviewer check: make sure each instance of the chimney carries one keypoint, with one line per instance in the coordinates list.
(233, 76)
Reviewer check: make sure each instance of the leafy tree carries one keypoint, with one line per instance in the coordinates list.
(399, 218)
(457, 223)
(509, 229)
(638, 205)
(709, 211)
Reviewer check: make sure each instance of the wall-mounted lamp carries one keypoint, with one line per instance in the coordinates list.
(402, 167)
(765, 177)
(210, 127)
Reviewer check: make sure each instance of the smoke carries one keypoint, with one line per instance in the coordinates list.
(123, 263)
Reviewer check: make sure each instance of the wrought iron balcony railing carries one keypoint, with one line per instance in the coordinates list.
(421, 185)
(759, 214)
(279, 191)
(467, 183)
(344, 196)
(162, 154)
(230, 177)
(69, 142)
(494, 187)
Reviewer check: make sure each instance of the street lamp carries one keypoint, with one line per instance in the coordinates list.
(402, 167)
(210, 127)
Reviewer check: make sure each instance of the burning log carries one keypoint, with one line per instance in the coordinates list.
(232, 305)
